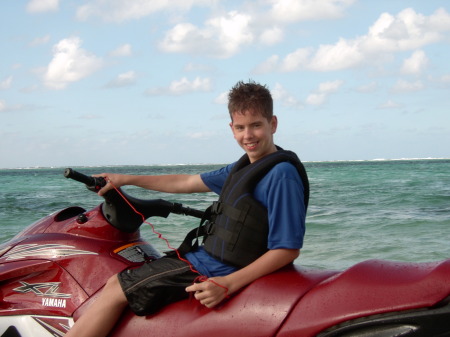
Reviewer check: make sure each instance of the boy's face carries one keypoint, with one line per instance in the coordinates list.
(254, 133)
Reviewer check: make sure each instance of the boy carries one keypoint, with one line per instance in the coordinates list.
(256, 227)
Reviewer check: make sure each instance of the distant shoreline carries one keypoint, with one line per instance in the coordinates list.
(218, 164)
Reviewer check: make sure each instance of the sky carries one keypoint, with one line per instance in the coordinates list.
(134, 82)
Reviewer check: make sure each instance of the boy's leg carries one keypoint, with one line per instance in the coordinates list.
(148, 288)
(103, 314)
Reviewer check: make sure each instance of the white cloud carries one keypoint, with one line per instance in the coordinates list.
(299, 59)
(222, 98)
(4, 107)
(233, 31)
(279, 93)
(183, 86)
(406, 86)
(407, 30)
(343, 55)
(296, 60)
(40, 6)
(441, 81)
(316, 99)
(224, 36)
(330, 87)
(325, 89)
(280, 11)
(221, 36)
(123, 10)
(70, 63)
(123, 50)
(416, 63)
(6, 83)
(271, 36)
(123, 80)
(184, 37)
(269, 65)
(300, 10)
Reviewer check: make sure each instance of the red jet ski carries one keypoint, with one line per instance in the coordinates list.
(53, 270)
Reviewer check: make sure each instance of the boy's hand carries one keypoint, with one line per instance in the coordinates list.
(210, 292)
(111, 179)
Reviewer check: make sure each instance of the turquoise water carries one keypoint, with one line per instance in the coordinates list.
(394, 210)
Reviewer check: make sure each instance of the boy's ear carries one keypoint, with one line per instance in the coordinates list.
(274, 123)
(231, 128)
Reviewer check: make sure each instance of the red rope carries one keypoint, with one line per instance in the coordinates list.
(201, 278)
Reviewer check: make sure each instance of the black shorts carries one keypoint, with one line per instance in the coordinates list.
(155, 284)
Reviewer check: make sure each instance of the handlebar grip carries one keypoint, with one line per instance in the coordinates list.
(180, 209)
(93, 183)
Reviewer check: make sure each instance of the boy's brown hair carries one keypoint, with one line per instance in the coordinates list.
(251, 97)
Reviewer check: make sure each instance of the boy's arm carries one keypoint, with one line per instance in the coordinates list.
(210, 294)
(173, 183)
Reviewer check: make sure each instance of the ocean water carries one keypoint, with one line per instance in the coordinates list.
(394, 210)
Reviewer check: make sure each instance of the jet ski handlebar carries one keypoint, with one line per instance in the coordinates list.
(117, 210)
(92, 183)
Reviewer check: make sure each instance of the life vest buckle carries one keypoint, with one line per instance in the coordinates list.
(216, 208)
(209, 227)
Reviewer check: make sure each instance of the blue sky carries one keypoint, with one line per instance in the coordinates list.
(125, 82)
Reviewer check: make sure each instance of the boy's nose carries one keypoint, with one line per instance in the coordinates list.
(248, 133)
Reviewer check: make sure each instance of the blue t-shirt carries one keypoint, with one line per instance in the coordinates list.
(281, 192)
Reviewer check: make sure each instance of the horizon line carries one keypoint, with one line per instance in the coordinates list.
(203, 164)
